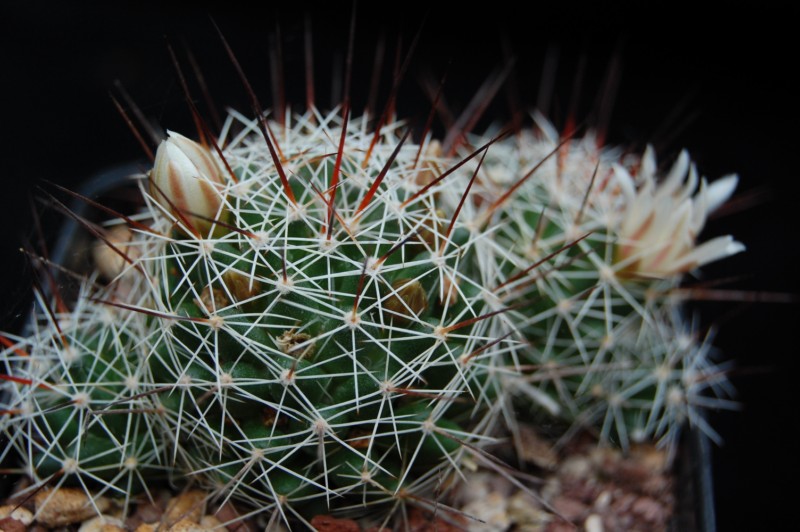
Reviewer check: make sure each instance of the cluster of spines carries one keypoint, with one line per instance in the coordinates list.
(74, 410)
(363, 360)
(430, 294)
(605, 345)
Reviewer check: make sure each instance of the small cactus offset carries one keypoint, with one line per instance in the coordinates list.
(72, 405)
(315, 315)
(590, 245)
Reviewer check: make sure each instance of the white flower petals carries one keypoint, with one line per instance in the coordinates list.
(720, 191)
(660, 221)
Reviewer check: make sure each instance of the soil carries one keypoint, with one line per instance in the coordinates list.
(581, 487)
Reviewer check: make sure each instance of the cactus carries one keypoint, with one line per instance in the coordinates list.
(595, 245)
(312, 315)
(72, 406)
(309, 332)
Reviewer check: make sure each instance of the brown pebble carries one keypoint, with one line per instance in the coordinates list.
(570, 509)
(624, 502)
(327, 523)
(190, 505)
(146, 512)
(628, 474)
(9, 524)
(146, 527)
(187, 525)
(66, 506)
(583, 490)
(231, 518)
(21, 514)
(422, 521)
(560, 526)
(658, 486)
(649, 510)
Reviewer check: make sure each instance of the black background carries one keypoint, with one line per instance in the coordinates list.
(723, 75)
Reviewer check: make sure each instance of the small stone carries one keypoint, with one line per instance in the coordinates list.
(190, 505)
(593, 523)
(584, 490)
(658, 486)
(187, 525)
(231, 518)
(146, 527)
(9, 524)
(649, 510)
(526, 513)
(493, 483)
(476, 487)
(529, 528)
(146, 512)
(602, 501)
(66, 506)
(570, 509)
(209, 521)
(21, 514)
(552, 487)
(624, 502)
(423, 521)
(576, 466)
(491, 510)
(327, 523)
(102, 523)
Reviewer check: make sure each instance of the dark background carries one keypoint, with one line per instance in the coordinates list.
(717, 84)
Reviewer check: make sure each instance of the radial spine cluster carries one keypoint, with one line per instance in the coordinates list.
(315, 316)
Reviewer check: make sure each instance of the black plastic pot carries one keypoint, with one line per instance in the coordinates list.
(694, 485)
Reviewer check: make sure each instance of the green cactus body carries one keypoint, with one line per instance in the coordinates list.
(340, 329)
(307, 339)
(605, 345)
(75, 413)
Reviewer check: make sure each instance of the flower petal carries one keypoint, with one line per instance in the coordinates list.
(720, 191)
(713, 250)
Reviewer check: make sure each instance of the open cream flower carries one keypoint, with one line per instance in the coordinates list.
(660, 221)
(187, 181)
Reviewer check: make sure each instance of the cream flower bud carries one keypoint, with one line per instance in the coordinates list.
(187, 181)
(110, 264)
